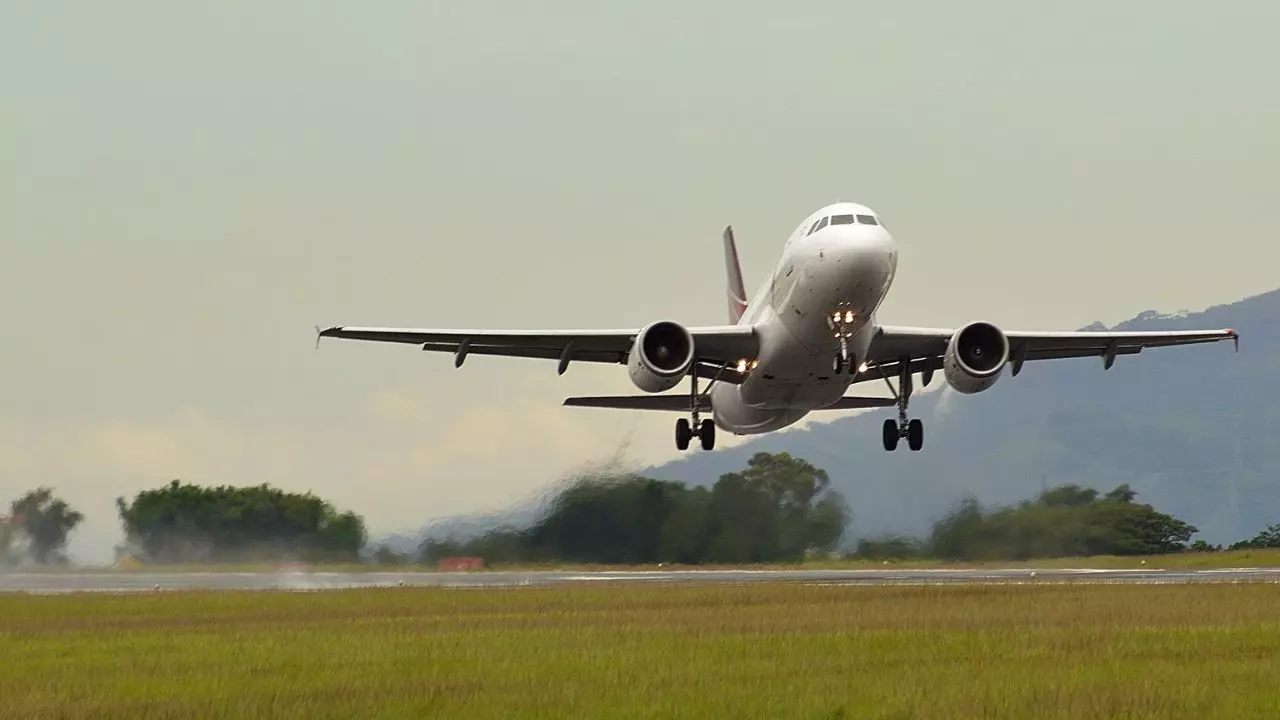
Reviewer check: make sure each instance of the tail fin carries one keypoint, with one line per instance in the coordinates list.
(737, 292)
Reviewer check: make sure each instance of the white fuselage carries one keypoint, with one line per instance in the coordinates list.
(846, 268)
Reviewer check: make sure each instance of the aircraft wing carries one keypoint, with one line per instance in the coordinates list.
(716, 346)
(923, 348)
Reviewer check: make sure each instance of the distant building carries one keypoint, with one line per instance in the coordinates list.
(455, 564)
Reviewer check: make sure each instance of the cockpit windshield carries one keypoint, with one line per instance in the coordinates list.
(843, 220)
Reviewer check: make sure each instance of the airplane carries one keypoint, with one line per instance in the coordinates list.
(796, 346)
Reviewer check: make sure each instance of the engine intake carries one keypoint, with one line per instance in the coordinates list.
(661, 356)
(975, 357)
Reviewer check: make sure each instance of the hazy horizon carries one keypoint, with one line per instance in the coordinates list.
(188, 190)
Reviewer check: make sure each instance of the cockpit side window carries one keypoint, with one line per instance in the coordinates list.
(841, 219)
(819, 225)
(868, 220)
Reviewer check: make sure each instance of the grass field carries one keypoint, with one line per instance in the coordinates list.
(702, 651)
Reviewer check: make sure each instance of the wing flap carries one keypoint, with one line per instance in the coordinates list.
(1085, 343)
(607, 340)
(597, 356)
(716, 345)
(922, 348)
(891, 343)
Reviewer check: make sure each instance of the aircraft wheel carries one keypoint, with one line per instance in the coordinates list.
(836, 364)
(915, 434)
(890, 435)
(707, 434)
(683, 434)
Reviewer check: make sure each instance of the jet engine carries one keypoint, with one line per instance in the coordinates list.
(974, 357)
(660, 357)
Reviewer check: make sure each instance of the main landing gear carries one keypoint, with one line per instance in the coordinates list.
(895, 430)
(686, 429)
(706, 433)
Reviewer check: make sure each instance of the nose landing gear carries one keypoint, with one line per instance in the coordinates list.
(841, 324)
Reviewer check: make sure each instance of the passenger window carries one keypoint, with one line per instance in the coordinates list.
(819, 225)
(867, 219)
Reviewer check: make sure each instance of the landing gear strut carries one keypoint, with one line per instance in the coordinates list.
(841, 324)
(895, 430)
(843, 362)
(687, 428)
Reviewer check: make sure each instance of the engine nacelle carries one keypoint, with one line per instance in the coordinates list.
(660, 357)
(975, 357)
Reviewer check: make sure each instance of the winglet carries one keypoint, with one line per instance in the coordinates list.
(1235, 337)
(736, 290)
(318, 331)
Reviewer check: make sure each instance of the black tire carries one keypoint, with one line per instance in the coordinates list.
(707, 434)
(890, 435)
(683, 434)
(915, 435)
(836, 365)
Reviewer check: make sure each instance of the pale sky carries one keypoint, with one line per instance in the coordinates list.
(187, 188)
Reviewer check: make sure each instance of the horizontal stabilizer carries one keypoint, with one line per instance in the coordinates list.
(680, 403)
(672, 403)
(855, 403)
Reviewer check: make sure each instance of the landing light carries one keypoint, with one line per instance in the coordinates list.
(742, 366)
(862, 368)
(848, 316)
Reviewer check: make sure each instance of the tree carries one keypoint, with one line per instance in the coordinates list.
(1267, 538)
(778, 508)
(1122, 494)
(953, 536)
(45, 522)
(1063, 521)
(185, 523)
(6, 541)
(386, 555)
(612, 520)
(888, 547)
(1068, 496)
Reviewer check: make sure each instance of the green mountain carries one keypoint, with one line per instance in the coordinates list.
(1193, 430)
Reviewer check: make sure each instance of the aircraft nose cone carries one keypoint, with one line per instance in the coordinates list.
(854, 266)
(862, 241)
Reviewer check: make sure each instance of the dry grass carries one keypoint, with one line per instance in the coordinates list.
(714, 651)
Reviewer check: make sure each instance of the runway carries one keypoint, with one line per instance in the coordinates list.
(107, 581)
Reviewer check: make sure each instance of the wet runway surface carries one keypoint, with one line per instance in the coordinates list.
(107, 581)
